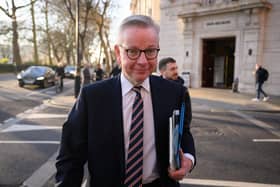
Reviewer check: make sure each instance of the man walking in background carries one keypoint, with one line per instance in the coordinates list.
(60, 73)
(86, 75)
(261, 75)
(99, 73)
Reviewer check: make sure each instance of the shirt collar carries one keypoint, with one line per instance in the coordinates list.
(127, 86)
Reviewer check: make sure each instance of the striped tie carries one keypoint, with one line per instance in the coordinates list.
(134, 163)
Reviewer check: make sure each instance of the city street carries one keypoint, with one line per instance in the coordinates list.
(237, 144)
(30, 128)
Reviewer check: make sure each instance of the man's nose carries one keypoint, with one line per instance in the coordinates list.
(142, 58)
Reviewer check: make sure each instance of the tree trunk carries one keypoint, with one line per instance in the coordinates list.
(105, 51)
(36, 58)
(48, 32)
(16, 50)
(110, 59)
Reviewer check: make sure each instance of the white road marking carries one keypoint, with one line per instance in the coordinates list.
(28, 142)
(266, 140)
(9, 120)
(25, 127)
(41, 176)
(40, 92)
(43, 91)
(258, 123)
(204, 116)
(44, 115)
(206, 182)
(84, 183)
(22, 115)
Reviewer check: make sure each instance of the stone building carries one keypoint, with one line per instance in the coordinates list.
(217, 41)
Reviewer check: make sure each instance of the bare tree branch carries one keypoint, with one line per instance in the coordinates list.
(6, 12)
(68, 5)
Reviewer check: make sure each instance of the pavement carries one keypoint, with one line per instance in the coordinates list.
(225, 99)
(202, 98)
(220, 99)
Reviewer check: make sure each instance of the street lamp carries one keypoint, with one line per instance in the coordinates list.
(78, 59)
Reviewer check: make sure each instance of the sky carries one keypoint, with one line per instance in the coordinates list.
(118, 14)
(122, 12)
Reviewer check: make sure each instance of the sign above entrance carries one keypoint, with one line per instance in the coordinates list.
(218, 23)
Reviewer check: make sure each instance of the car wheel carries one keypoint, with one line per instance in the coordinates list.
(20, 84)
(44, 84)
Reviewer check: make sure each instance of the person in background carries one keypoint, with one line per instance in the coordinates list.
(86, 75)
(116, 70)
(169, 70)
(60, 73)
(261, 76)
(99, 73)
(91, 71)
(119, 126)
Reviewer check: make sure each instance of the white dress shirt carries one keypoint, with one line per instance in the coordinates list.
(150, 172)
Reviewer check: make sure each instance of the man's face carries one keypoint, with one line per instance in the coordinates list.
(171, 71)
(136, 71)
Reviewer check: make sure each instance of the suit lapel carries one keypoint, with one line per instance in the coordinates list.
(156, 98)
(118, 121)
(155, 94)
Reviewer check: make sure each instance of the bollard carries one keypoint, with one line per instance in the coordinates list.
(235, 85)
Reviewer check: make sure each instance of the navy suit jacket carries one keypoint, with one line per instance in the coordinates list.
(93, 133)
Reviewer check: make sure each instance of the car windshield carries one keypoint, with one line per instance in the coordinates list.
(69, 68)
(35, 70)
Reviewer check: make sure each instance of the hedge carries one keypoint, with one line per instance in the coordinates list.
(10, 68)
(7, 68)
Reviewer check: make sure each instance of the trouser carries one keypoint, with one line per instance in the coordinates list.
(61, 82)
(260, 90)
(155, 183)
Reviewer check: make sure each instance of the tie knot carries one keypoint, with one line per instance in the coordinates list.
(137, 89)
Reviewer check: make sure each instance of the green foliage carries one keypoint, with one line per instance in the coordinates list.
(4, 60)
(11, 68)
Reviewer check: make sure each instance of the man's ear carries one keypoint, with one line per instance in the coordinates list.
(117, 54)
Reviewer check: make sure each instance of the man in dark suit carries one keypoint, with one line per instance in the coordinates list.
(120, 125)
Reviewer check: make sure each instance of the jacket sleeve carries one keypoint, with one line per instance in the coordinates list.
(73, 148)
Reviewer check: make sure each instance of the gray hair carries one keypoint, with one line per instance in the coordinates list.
(139, 21)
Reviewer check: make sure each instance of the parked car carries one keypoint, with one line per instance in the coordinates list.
(42, 76)
(69, 71)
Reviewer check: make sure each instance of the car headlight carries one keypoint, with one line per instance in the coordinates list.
(40, 78)
(19, 76)
(73, 72)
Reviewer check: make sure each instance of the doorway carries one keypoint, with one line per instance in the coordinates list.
(218, 62)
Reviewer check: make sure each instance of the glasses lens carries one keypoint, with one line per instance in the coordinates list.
(133, 53)
(151, 53)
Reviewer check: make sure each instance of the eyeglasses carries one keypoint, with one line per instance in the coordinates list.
(133, 54)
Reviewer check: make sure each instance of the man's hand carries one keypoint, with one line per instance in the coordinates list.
(186, 165)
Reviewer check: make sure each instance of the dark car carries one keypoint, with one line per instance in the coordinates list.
(69, 71)
(37, 75)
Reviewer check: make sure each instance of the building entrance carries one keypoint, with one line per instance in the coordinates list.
(218, 62)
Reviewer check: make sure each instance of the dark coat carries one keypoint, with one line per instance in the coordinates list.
(86, 76)
(260, 75)
(60, 71)
(179, 80)
(99, 73)
(93, 132)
